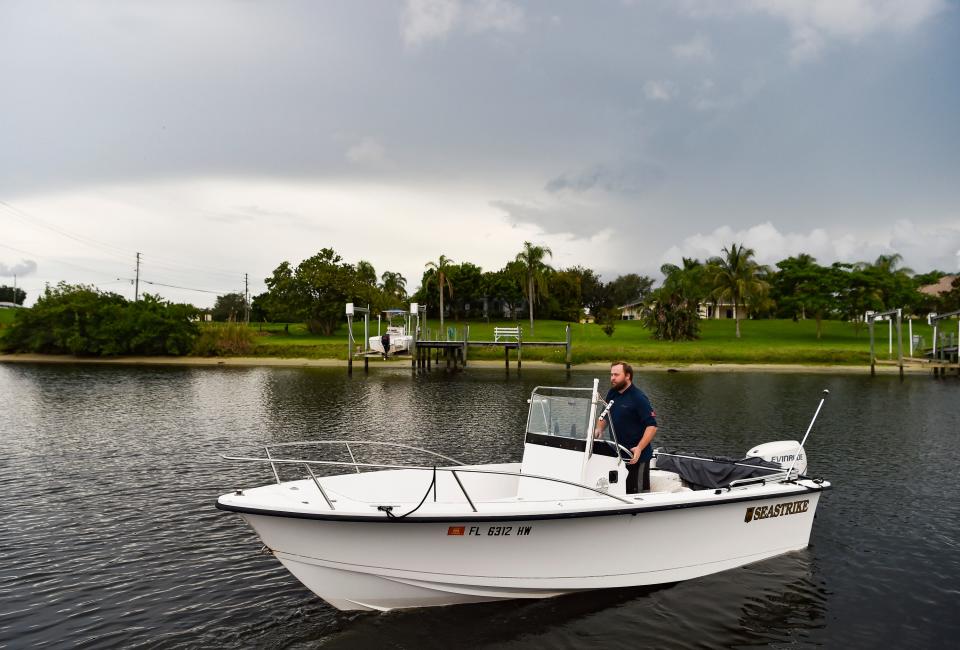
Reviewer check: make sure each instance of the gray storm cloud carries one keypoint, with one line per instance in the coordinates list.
(631, 178)
(621, 131)
(26, 267)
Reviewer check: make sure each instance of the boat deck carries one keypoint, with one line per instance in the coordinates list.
(416, 500)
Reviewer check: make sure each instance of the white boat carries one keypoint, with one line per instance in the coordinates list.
(396, 338)
(386, 536)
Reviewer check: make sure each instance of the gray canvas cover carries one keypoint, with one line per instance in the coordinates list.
(709, 472)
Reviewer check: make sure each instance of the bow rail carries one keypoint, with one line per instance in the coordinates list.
(273, 461)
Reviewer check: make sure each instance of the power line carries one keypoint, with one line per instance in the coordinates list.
(23, 217)
(129, 280)
(110, 249)
(119, 253)
(174, 286)
(156, 261)
(58, 261)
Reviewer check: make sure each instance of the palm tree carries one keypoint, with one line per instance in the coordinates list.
(892, 283)
(366, 273)
(889, 263)
(441, 266)
(394, 285)
(736, 276)
(535, 272)
(672, 311)
(686, 280)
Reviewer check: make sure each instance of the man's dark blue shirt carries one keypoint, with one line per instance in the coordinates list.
(631, 415)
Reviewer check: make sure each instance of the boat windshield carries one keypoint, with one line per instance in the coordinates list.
(566, 414)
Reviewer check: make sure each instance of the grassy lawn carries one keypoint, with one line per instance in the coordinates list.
(762, 341)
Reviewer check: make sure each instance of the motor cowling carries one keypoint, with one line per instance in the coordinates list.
(782, 452)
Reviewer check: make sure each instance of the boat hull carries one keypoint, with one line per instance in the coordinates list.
(389, 564)
(399, 344)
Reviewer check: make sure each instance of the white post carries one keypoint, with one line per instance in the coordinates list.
(366, 329)
(591, 425)
(890, 345)
(910, 327)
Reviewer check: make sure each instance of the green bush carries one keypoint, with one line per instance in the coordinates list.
(82, 320)
(224, 339)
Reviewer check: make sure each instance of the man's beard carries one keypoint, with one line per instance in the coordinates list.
(619, 386)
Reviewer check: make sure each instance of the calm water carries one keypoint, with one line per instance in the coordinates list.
(109, 536)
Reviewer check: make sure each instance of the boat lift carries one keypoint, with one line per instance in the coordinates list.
(945, 353)
(413, 326)
(350, 310)
(888, 316)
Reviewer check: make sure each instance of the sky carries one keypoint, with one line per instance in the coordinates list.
(219, 139)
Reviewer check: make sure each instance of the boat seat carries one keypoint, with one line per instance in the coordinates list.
(664, 481)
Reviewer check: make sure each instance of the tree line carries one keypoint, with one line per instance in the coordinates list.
(15, 295)
(83, 320)
(316, 290)
(798, 288)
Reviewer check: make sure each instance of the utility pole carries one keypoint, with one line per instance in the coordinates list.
(14, 288)
(246, 299)
(136, 286)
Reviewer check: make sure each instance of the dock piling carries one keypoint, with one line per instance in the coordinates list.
(520, 350)
(350, 339)
(899, 342)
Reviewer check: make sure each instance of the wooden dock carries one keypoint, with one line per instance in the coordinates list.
(940, 368)
(940, 360)
(454, 353)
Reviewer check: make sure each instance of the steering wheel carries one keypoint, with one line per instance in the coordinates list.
(617, 445)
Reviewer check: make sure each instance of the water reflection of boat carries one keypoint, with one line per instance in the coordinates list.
(441, 533)
(776, 601)
(397, 338)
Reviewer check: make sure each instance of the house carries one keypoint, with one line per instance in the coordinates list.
(943, 285)
(631, 311)
(719, 310)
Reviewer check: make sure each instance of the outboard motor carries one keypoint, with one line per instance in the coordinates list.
(783, 452)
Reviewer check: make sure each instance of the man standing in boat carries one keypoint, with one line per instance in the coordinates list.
(634, 422)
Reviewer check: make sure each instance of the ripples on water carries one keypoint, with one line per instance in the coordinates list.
(109, 536)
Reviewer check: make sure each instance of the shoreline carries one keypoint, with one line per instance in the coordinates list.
(281, 362)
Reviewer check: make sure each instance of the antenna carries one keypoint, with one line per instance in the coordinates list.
(823, 399)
